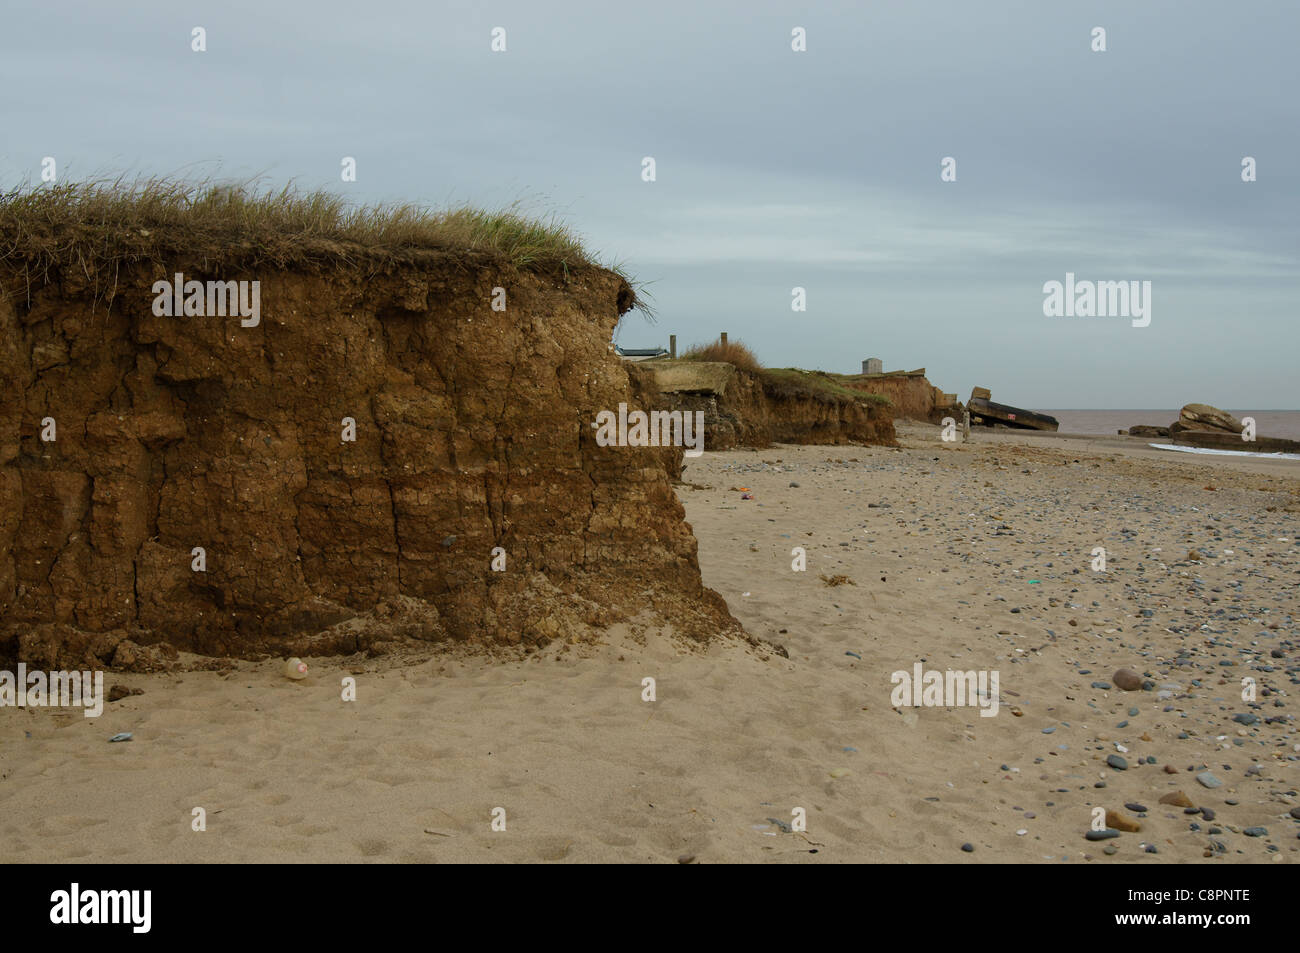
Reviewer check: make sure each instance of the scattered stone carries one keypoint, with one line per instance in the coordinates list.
(1177, 799)
(118, 692)
(1127, 679)
(1122, 822)
(968, 848)
(1208, 779)
(1101, 835)
(1116, 762)
(1256, 831)
(1135, 807)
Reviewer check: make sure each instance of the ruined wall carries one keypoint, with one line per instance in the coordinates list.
(472, 432)
(753, 413)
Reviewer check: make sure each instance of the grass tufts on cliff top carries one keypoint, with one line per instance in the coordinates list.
(781, 381)
(733, 352)
(97, 227)
(795, 381)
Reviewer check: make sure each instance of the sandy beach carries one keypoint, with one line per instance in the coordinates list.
(965, 557)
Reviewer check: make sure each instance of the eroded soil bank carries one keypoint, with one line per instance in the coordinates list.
(191, 483)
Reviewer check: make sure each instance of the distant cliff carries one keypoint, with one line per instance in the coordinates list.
(910, 393)
(771, 406)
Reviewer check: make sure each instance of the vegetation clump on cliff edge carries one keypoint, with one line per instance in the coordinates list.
(794, 381)
(96, 228)
(781, 381)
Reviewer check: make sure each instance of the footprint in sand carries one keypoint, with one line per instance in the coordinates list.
(313, 830)
(613, 839)
(372, 847)
(552, 848)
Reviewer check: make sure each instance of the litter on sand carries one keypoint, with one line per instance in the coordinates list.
(122, 736)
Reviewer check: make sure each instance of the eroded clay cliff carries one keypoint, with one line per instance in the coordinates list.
(742, 409)
(472, 445)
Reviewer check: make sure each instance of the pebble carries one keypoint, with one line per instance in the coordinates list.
(968, 848)
(118, 692)
(1295, 812)
(1122, 822)
(1177, 799)
(1135, 807)
(1101, 835)
(1256, 831)
(1127, 679)
(1116, 762)
(1110, 850)
(1208, 779)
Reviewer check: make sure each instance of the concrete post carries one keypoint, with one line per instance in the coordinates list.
(672, 346)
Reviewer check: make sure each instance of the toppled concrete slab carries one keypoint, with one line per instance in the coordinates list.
(1204, 417)
(985, 411)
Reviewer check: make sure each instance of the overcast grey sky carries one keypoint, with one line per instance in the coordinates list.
(775, 168)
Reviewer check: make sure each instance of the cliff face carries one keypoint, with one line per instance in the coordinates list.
(742, 409)
(473, 447)
(912, 395)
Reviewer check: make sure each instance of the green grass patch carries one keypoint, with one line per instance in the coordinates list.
(795, 382)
